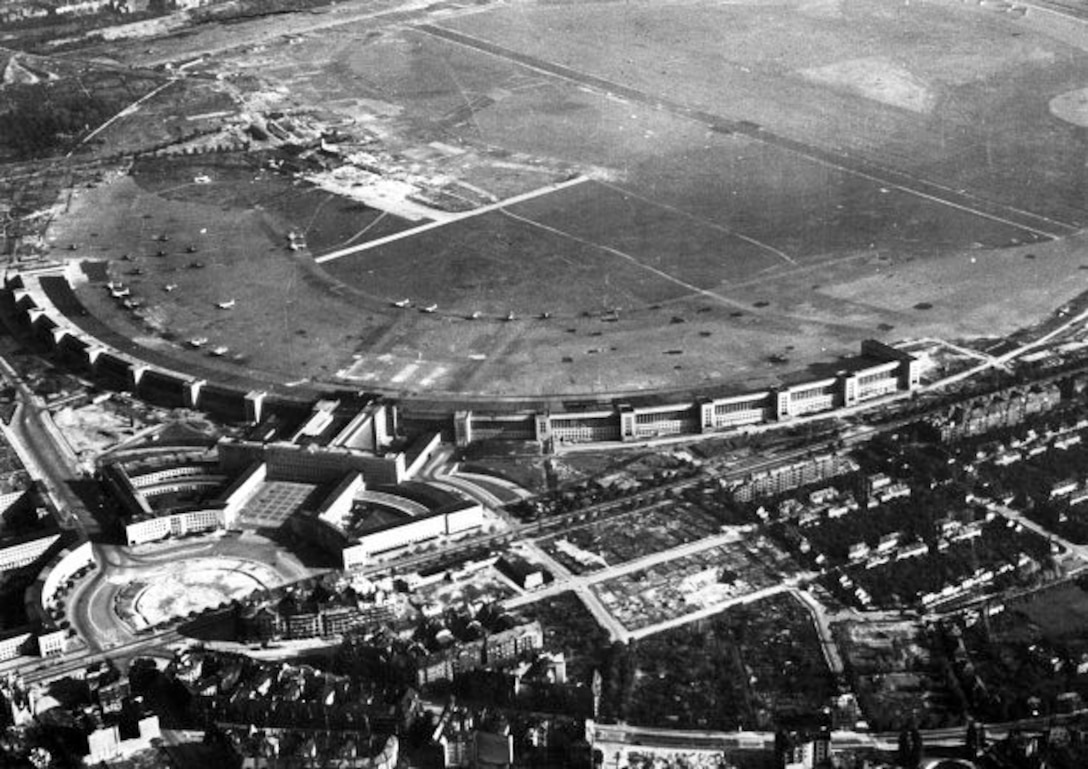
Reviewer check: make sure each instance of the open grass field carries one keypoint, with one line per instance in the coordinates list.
(1058, 613)
(235, 182)
(762, 186)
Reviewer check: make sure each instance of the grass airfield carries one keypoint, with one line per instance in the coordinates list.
(764, 186)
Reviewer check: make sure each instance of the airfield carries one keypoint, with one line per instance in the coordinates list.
(637, 196)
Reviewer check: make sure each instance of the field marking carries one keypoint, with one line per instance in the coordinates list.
(437, 373)
(623, 255)
(129, 110)
(405, 373)
(942, 201)
(366, 229)
(455, 218)
(713, 225)
(313, 217)
(886, 177)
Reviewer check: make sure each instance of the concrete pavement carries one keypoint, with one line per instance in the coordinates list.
(823, 630)
(45, 454)
(638, 564)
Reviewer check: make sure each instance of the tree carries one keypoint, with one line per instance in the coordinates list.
(909, 755)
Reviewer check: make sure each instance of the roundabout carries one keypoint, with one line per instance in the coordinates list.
(151, 586)
(182, 589)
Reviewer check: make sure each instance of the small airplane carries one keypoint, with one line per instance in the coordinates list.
(295, 241)
(198, 341)
(402, 303)
(219, 351)
(429, 308)
(225, 305)
(169, 287)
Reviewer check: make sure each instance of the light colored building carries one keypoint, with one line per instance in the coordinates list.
(455, 520)
(15, 643)
(583, 427)
(12, 556)
(776, 480)
(747, 409)
(105, 744)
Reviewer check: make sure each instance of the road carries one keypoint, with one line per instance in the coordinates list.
(628, 736)
(582, 585)
(403, 504)
(1078, 551)
(92, 605)
(435, 471)
(823, 630)
(627, 567)
(47, 457)
(1001, 361)
(90, 610)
